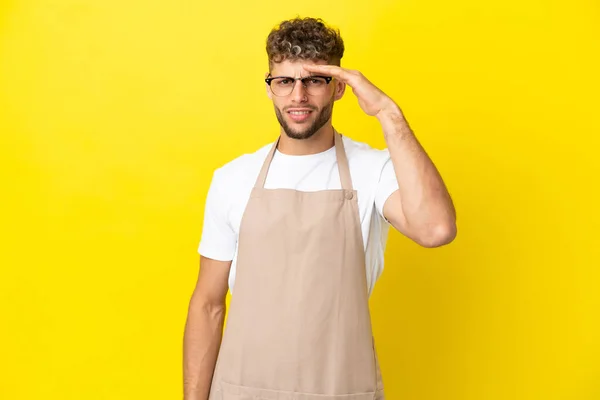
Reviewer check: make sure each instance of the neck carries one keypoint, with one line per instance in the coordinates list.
(321, 141)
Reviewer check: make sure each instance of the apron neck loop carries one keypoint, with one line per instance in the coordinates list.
(342, 162)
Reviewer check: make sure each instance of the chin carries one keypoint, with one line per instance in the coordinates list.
(304, 134)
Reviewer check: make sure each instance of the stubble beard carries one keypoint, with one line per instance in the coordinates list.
(308, 132)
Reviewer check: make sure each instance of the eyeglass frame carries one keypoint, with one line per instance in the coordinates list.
(328, 79)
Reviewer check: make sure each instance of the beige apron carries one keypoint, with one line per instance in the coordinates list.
(299, 326)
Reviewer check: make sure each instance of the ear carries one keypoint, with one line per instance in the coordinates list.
(340, 89)
(267, 86)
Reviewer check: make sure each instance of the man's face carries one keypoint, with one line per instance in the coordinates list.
(302, 113)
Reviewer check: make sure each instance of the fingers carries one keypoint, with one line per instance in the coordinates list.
(331, 70)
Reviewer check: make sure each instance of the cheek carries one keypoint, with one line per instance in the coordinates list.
(277, 104)
(328, 101)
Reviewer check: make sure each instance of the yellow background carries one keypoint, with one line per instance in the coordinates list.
(113, 115)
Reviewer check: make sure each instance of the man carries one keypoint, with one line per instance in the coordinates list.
(297, 231)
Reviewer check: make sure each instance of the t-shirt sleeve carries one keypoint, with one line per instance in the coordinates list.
(387, 185)
(218, 240)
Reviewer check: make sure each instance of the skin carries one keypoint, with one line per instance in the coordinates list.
(421, 209)
(321, 106)
(320, 118)
(204, 328)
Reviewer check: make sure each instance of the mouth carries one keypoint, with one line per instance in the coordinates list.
(299, 115)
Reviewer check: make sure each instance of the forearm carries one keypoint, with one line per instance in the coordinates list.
(202, 339)
(425, 201)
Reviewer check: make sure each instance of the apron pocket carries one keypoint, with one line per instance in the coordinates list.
(230, 391)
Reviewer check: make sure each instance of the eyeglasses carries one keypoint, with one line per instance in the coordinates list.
(284, 85)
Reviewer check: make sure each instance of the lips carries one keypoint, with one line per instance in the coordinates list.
(299, 114)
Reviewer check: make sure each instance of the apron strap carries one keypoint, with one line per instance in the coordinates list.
(262, 176)
(342, 162)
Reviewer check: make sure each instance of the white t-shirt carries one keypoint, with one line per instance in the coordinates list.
(372, 176)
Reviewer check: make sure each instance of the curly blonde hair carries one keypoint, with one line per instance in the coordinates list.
(304, 39)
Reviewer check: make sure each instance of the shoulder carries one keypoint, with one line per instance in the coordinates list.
(363, 155)
(241, 169)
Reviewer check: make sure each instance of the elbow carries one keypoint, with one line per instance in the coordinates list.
(206, 305)
(438, 235)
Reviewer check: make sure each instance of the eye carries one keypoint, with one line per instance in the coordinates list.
(283, 81)
(316, 81)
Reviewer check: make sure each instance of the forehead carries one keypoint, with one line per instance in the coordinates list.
(294, 68)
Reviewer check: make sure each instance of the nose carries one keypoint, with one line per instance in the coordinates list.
(299, 94)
